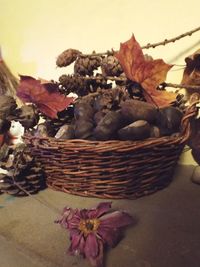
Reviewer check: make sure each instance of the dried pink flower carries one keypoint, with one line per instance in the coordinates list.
(92, 229)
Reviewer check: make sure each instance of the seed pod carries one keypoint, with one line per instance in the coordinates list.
(65, 132)
(83, 110)
(155, 132)
(67, 57)
(83, 129)
(169, 120)
(134, 110)
(137, 130)
(7, 106)
(28, 116)
(98, 116)
(108, 125)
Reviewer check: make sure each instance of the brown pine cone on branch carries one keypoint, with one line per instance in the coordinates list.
(86, 65)
(110, 66)
(67, 57)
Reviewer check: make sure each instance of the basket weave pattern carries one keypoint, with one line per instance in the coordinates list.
(111, 169)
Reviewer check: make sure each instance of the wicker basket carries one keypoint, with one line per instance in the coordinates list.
(111, 169)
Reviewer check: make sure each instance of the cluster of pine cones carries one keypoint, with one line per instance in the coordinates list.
(21, 173)
(84, 80)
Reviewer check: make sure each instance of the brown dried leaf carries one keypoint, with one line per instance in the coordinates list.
(147, 72)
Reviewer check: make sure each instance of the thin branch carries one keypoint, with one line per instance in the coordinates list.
(124, 79)
(166, 41)
(174, 85)
(172, 40)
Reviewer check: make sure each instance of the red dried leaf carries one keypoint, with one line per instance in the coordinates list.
(148, 73)
(44, 95)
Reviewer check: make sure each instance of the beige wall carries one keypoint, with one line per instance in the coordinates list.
(33, 33)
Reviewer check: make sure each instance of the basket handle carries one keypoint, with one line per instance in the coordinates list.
(190, 113)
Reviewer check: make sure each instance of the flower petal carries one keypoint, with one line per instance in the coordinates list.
(75, 241)
(101, 209)
(116, 219)
(109, 236)
(98, 261)
(91, 246)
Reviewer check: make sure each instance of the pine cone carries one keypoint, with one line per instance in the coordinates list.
(72, 83)
(110, 66)
(23, 171)
(67, 57)
(28, 116)
(86, 65)
(7, 106)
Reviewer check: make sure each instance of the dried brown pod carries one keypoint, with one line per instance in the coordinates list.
(28, 116)
(67, 57)
(108, 125)
(137, 130)
(169, 120)
(134, 110)
(7, 106)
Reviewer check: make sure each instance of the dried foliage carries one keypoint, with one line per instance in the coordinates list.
(45, 96)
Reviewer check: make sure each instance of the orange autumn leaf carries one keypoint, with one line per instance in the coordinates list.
(148, 73)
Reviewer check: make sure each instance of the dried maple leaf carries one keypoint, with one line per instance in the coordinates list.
(44, 95)
(148, 73)
(191, 75)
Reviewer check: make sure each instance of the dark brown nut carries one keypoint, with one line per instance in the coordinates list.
(169, 120)
(83, 111)
(134, 110)
(83, 129)
(98, 116)
(108, 125)
(155, 132)
(65, 132)
(137, 130)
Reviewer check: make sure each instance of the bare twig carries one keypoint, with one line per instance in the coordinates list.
(174, 85)
(172, 40)
(166, 41)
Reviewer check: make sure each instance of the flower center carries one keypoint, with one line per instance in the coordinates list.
(88, 226)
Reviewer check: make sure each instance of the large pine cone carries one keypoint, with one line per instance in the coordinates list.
(23, 173)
